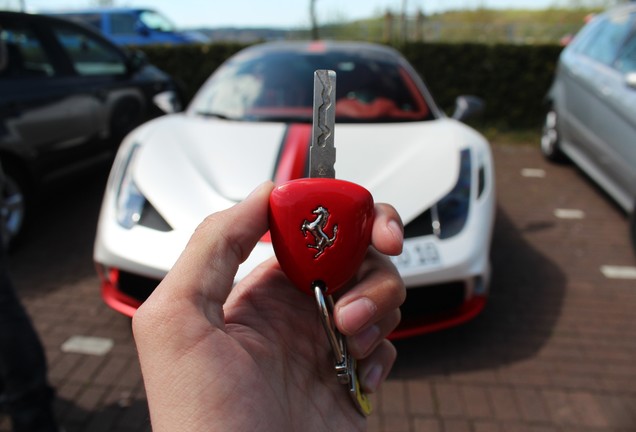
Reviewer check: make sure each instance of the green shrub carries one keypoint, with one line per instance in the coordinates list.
(512, 79)
(190, 65)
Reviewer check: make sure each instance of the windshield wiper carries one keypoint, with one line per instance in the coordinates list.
(281, 119)
(257, 118)
(215, 115)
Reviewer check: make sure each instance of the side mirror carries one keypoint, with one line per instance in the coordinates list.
(467, 107)
(137, 60)
(630, 80)
(168, 101)
(142, 29)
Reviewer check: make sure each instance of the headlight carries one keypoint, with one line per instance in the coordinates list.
(132, 207)
(451, 212)
(130, 201)
(448, 217)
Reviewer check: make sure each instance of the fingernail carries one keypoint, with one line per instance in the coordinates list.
(356, 314)
(363, 342)
(372, 380)
(396, 230)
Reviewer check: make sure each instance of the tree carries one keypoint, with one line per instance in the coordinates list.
(578, 4)
(314, 21)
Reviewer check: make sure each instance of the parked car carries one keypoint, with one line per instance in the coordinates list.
(133, 26)
(591, 115)
(67, 98)
(251, 121)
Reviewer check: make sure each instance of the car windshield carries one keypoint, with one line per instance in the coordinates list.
(156, 21)
(278, 86)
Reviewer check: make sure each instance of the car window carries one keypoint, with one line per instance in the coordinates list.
(89, 55)
(626, 61)
(608, 38)
(279, 86)
(26, 58)
(94, 20)
(123, 24)
(156, 21)
(585, 35)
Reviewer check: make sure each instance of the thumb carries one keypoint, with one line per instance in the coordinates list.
(203, 275)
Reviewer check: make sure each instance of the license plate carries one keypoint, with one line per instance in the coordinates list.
(418, 254)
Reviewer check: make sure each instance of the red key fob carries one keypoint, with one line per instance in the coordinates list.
(320, 230)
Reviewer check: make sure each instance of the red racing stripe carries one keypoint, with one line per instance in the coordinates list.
(294, 152)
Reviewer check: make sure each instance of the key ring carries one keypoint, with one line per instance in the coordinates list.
(345, 365)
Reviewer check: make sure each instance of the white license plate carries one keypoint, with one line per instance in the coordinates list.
(418, 254)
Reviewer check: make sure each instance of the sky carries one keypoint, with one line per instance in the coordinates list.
(283, 13)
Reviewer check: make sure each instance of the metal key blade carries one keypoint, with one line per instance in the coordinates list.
(322, 158)
(322, 153)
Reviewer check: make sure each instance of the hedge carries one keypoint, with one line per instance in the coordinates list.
(190, 65)
(512, 79)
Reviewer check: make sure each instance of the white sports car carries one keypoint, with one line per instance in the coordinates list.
(251, 121)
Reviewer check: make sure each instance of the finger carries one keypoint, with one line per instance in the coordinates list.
(378, 292)
(362, 344)
(208, 265)
(373, 370)
(387, 235)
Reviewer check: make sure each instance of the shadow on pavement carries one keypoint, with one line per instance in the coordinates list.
(525, 301)
(57, 246)
(120, 416)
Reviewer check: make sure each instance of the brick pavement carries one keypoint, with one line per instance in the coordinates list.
(554, 349)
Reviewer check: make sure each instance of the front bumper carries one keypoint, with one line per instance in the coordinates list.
(447, 280)
(446, 289)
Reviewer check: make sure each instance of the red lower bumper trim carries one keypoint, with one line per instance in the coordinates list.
(113, 297)
(429, 324)
(408, 328)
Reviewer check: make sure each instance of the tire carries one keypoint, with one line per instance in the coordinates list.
(632, 229)
(550, 147)
(14, 207)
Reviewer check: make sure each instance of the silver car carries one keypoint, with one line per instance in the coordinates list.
(591, 115)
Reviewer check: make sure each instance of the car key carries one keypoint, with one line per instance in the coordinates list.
(321, 228)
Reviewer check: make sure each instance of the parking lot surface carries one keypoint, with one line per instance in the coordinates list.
(554, 350)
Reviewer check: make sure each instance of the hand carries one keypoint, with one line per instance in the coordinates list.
(254, 357)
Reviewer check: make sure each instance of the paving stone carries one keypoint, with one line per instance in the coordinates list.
(551, 352)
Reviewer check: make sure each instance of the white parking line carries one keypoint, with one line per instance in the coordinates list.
(533, 172)
(88, 345)
(618, 272)
(569, 213)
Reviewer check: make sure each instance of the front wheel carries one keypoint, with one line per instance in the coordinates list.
(550, 147)
(632, 228)
(13, 207)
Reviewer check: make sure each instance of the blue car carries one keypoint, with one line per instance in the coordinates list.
(133, 26)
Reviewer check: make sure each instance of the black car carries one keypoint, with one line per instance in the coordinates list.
(67, 98)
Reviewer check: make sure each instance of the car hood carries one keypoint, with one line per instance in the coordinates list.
(189, 167)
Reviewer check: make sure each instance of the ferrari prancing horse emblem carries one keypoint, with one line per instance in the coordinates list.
(317, 229)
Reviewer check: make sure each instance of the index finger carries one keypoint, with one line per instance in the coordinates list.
(387, 235)
(207, 267)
